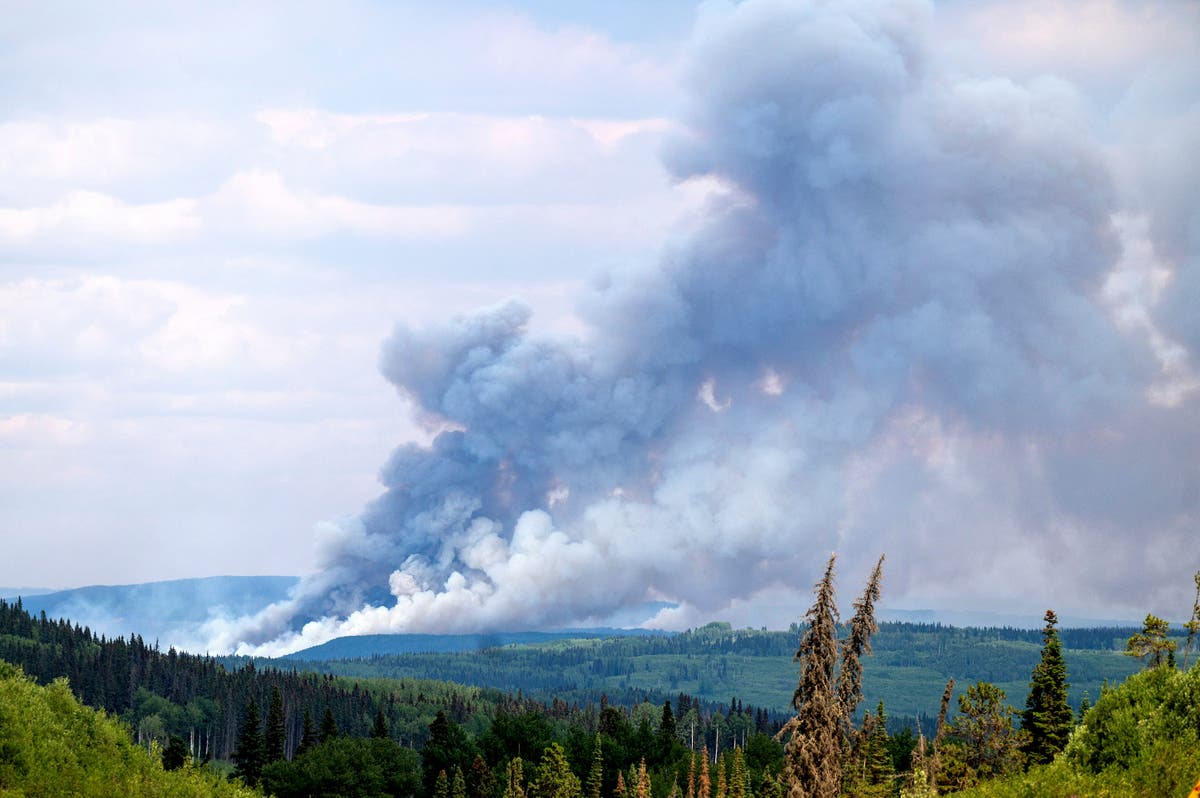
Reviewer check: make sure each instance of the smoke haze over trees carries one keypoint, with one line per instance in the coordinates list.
(902, 324)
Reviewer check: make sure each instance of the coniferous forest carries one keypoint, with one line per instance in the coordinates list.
(289, 731)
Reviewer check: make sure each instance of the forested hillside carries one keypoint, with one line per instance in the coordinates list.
(299, 733)
(910, 665)
(52, 746)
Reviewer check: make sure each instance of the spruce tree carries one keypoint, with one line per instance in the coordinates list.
(619, 790)
(175, 755)
(1047, 715)
(379, 730)
(515, 787)
(879, 758)
(458, 784)
(329, 727)
(480, 781)
(554, 777)
(1193, 624)
(441, 785)
(248, 753)
(737, 775)
(596, 774)
(704, 785)
(643, 781)
(856, 646)
(812, 762)
(308, 735)
(276, 735)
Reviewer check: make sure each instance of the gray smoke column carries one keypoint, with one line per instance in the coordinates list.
(889, 332)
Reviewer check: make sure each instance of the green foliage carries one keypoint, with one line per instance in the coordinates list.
(1139, 739)
(175, 755)
(348, 768)
(982, 742)
(1152, 644)
(554, 778)
(448, 747)
(53, 747)
(276, 733)
(248, 756)
(1047, 717)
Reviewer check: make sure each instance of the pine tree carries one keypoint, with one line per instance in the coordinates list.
(1193, 624)
(856, 646)
(691, 782)
(596, 774)
(704, 787)
(458, 784)
(248, 754)
(554, 777)
(329, 727)
(935, 761)
(1152, 643)
(441, 785)
(643, 781)
(1047, 715)
(619, 790)
(480, 781)
(721, 788)
(276, 735)
(308, 736)
(515, 788)
(737, 775)
(379, 731)
(813, 765)
(175, 755)
(879, 759)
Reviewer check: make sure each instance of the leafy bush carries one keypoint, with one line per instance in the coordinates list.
(1140, 739)
(51, 746)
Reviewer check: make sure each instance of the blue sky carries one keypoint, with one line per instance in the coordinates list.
(212, 217)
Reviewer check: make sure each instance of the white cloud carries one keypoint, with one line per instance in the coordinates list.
(88, 215)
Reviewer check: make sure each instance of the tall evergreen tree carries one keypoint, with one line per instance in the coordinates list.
(248, 754)
(813, 754)
(480, 781)
(643, 781)
(175, 755)
(554, 778)
(515, 786)
(856, 646)
(737, 775)
(596, 774)
(308, 734)
(704, 785)
(1047, 715)
(458, 784)
(441, 785)
(276, 734)
(329, 727)
(1193, 624)
(379, 730)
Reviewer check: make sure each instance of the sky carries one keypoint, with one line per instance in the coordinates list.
(481, 315)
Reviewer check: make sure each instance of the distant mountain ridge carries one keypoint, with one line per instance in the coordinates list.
(168, 611)
(364, 646)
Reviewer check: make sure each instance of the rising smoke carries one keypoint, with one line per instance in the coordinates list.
(895, 328)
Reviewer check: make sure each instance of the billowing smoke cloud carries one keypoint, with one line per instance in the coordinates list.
(903, 324)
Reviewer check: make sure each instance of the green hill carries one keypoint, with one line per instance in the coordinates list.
(51, 745)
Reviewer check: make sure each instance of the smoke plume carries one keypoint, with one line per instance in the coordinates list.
(908, 322)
